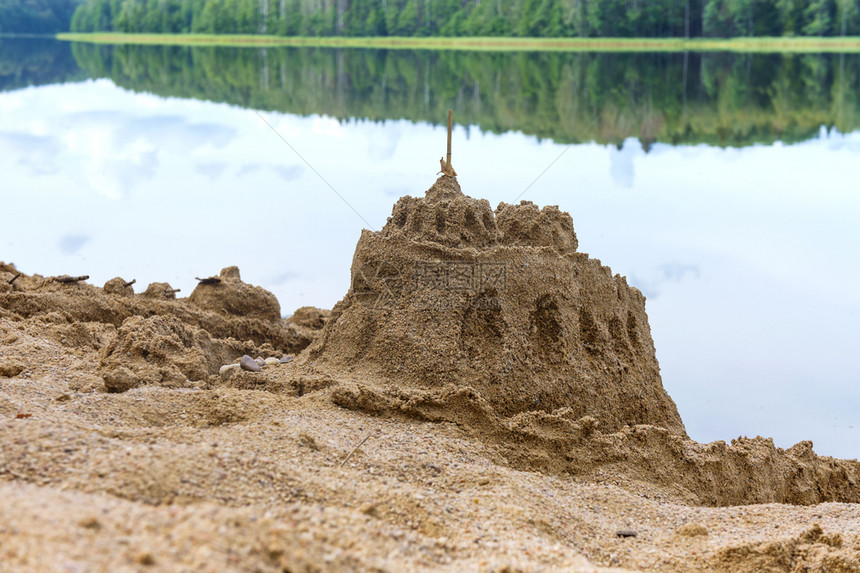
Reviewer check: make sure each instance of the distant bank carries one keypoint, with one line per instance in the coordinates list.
(796, 44)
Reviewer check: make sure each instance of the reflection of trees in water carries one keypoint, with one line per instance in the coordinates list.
(36, 61)
(723, 99)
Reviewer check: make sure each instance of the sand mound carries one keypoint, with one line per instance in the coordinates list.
(118, 286)
(451, 292)
(219, 310)
(310, 317)
(716, 474)
(153, 338)
(159, 291)
(813, 550)
(163, 351)
(227, 294)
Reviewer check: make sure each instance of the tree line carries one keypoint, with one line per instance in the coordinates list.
(526, 18)
(36, 16)
(718, 99)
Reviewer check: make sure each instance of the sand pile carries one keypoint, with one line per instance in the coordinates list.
(232, 309)
(162, 350)
(748, 470)
(452, 292)
(153, 337)
(226, 294)
(812, 550)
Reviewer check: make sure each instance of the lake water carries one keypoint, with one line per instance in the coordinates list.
(724, 186)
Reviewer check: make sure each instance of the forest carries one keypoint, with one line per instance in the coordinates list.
(524, 18)
(36, 16)
(718, 98)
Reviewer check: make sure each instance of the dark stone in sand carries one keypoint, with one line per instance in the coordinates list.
(249, 364)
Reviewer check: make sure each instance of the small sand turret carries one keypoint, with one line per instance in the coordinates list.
(227, 294)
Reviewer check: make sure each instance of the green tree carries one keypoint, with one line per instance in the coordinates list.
(36, 16)
(375, 24)
(819, 18)
(407, 20)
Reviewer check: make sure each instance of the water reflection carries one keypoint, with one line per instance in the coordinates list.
(748, 256)
(721, 99)
(36, 61)
(715, 98)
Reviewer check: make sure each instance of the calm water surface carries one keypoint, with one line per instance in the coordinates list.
(724, 186)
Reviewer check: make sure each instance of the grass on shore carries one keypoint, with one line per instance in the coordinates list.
(805, 44)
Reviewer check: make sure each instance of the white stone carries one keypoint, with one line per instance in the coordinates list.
(228, 370)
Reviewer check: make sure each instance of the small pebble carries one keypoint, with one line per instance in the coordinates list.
(626, 533)
(272, 361)
(249, 364)
(228, 370)
(287, 358)
(260, 362)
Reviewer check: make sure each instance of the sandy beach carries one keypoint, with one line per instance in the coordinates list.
(484, 398)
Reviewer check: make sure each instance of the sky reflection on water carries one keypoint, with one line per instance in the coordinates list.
(748, 256)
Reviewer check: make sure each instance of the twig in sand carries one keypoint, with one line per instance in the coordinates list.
(447, 169)
(209, 280)
(128, 284)
(170, 291)
(15, 278)
(66, 279)
(355, 449)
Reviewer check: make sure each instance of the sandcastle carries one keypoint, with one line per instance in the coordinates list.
(493, 321)
(450, 291)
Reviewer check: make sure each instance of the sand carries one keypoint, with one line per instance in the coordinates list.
(124, 449)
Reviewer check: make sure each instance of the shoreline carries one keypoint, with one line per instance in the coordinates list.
(751, 45)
